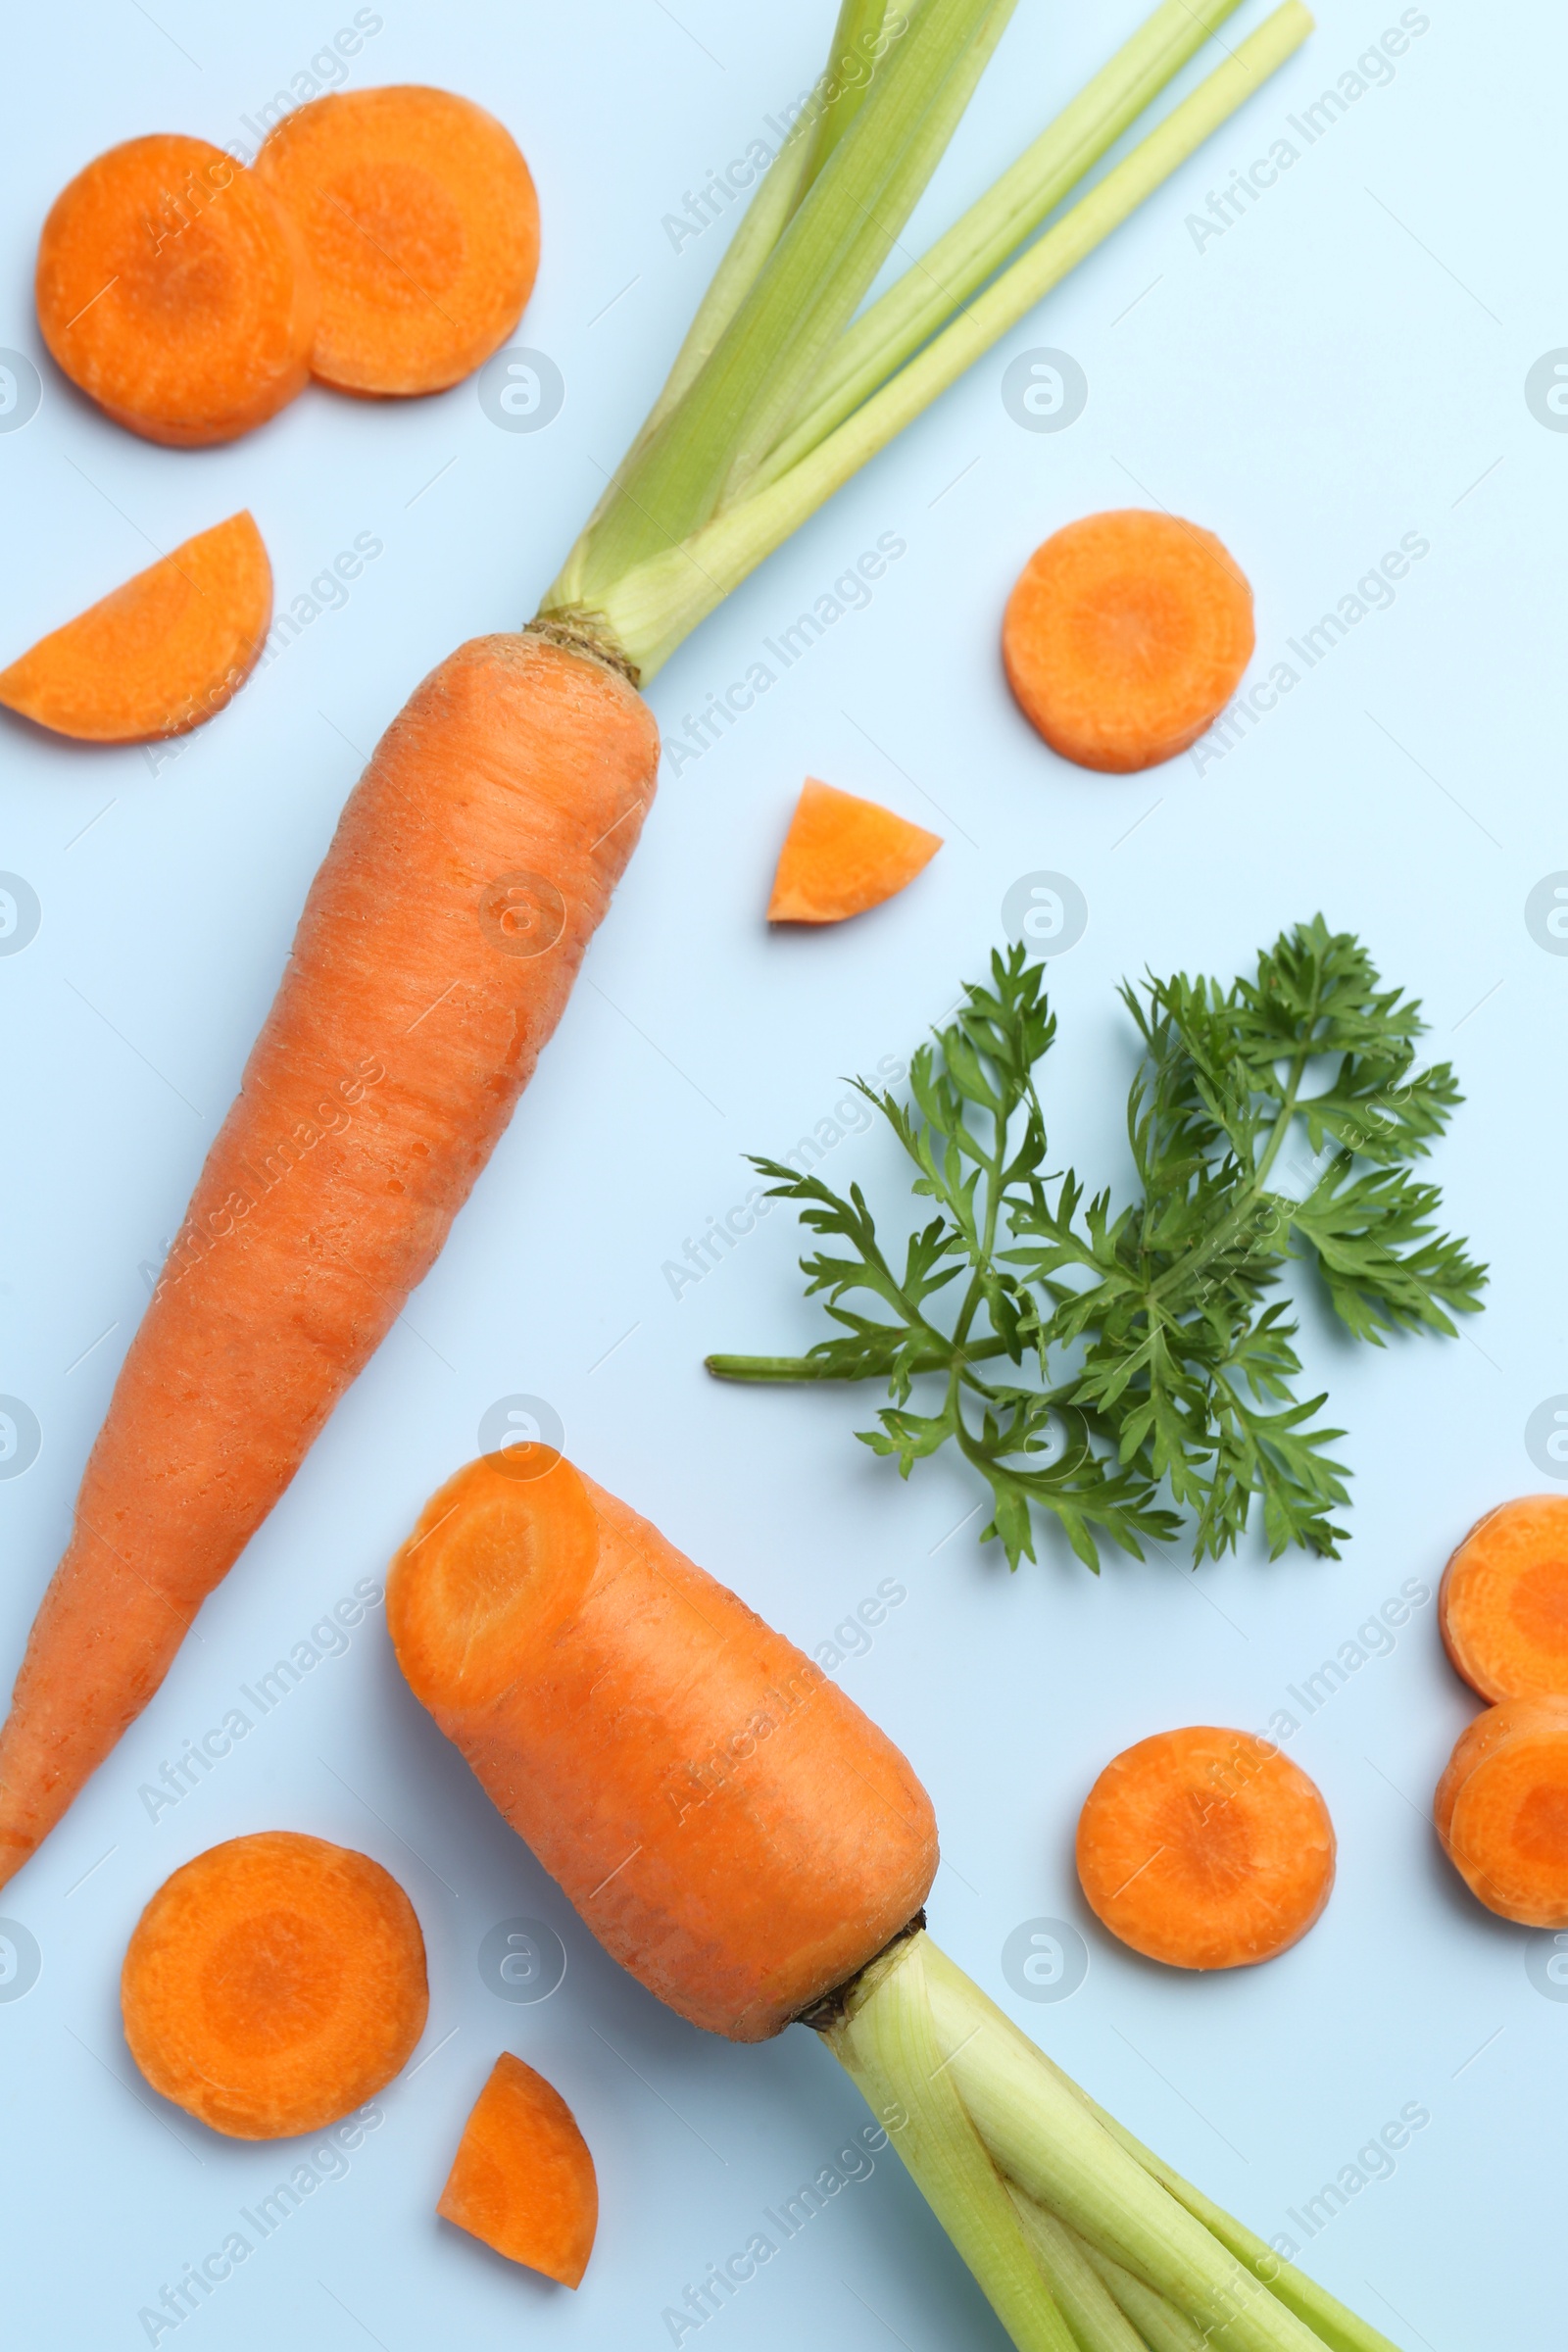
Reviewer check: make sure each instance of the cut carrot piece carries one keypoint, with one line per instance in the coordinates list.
(1502, 1810)
(728, 1823)
(176, 291)
(522, 2178)
(842, 855)
(1503, 1600)
(1126, 636)
(1206, 1848)
(274, 1985)
(421, 218)
(159, 655)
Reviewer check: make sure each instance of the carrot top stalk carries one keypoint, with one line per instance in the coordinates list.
(776, 398)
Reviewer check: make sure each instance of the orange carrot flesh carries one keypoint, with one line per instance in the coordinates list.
(274, 1985)
(522, 2178)
(423, 222)
(471, 866)
(842, 855)
(1206, 1848)
(1125, 637)
(1502, 1810)
(160, 654)
(729, 1824)
(1504, 1601)
(177, 292)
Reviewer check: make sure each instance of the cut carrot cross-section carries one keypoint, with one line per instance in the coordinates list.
(1206, 1848)
(522, 2178)
(159, 655)
(274, 1984)
(423, 222)
(842, 854)
(1502, 1810)
(176, 291)
(1126, 636)
(1504, 1603)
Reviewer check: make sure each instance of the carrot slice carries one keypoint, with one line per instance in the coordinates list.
(176, 291)
(522, 2178)
(1206, 1848)
(159, 655)
(1126, 636)
(842, 855)
(725, 1820)
(422, 222)
(1504, 1601)
(1502, 1809)
(274, 1984)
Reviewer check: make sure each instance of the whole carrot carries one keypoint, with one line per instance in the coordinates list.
(473, 862)
(479, 851)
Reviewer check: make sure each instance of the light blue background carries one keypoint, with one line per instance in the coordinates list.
(1345, 365)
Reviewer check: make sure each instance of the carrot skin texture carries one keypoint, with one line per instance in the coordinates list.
(731, 1825)
(409, 1020)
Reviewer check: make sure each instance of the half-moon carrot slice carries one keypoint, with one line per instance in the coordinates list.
(1126, 636)
(1206, 1848)
(1504, 1601)
(274, 1984)
(159, 655)
(842, 855)
(176, 291)
(1502, 1810)
(522, 2178)
(422, 222)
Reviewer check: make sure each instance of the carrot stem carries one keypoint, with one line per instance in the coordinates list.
(977, 245)
(651, 605)
(944, 2068)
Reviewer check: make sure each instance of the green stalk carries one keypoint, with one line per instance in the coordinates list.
(650, 609)
(960, 263)
(805, 1367)
(945, 2069)
(833, 246)
(861, 26)
(1092, 2312)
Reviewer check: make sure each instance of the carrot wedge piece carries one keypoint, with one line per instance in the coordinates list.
(177, 292)
(274, 1984)
(1206, 1848)
(423, 222)
(1125, 637)
(522, 2178)
(1504, 1601)
(842, 855)
(159, 655)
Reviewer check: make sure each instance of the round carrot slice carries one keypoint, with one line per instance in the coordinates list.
(522, 2178)
(160, 654)
(421, 218)
(176, 291)
(1206, 1848)
(274, 1984)
(1126, 636)
(1502, 1810)
(1504, 1601)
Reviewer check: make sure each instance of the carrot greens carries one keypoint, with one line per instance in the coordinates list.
(1163, 1367)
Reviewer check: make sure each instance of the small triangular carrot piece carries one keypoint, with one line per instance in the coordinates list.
(159, 655)
(522, 2178)
(842, 854)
